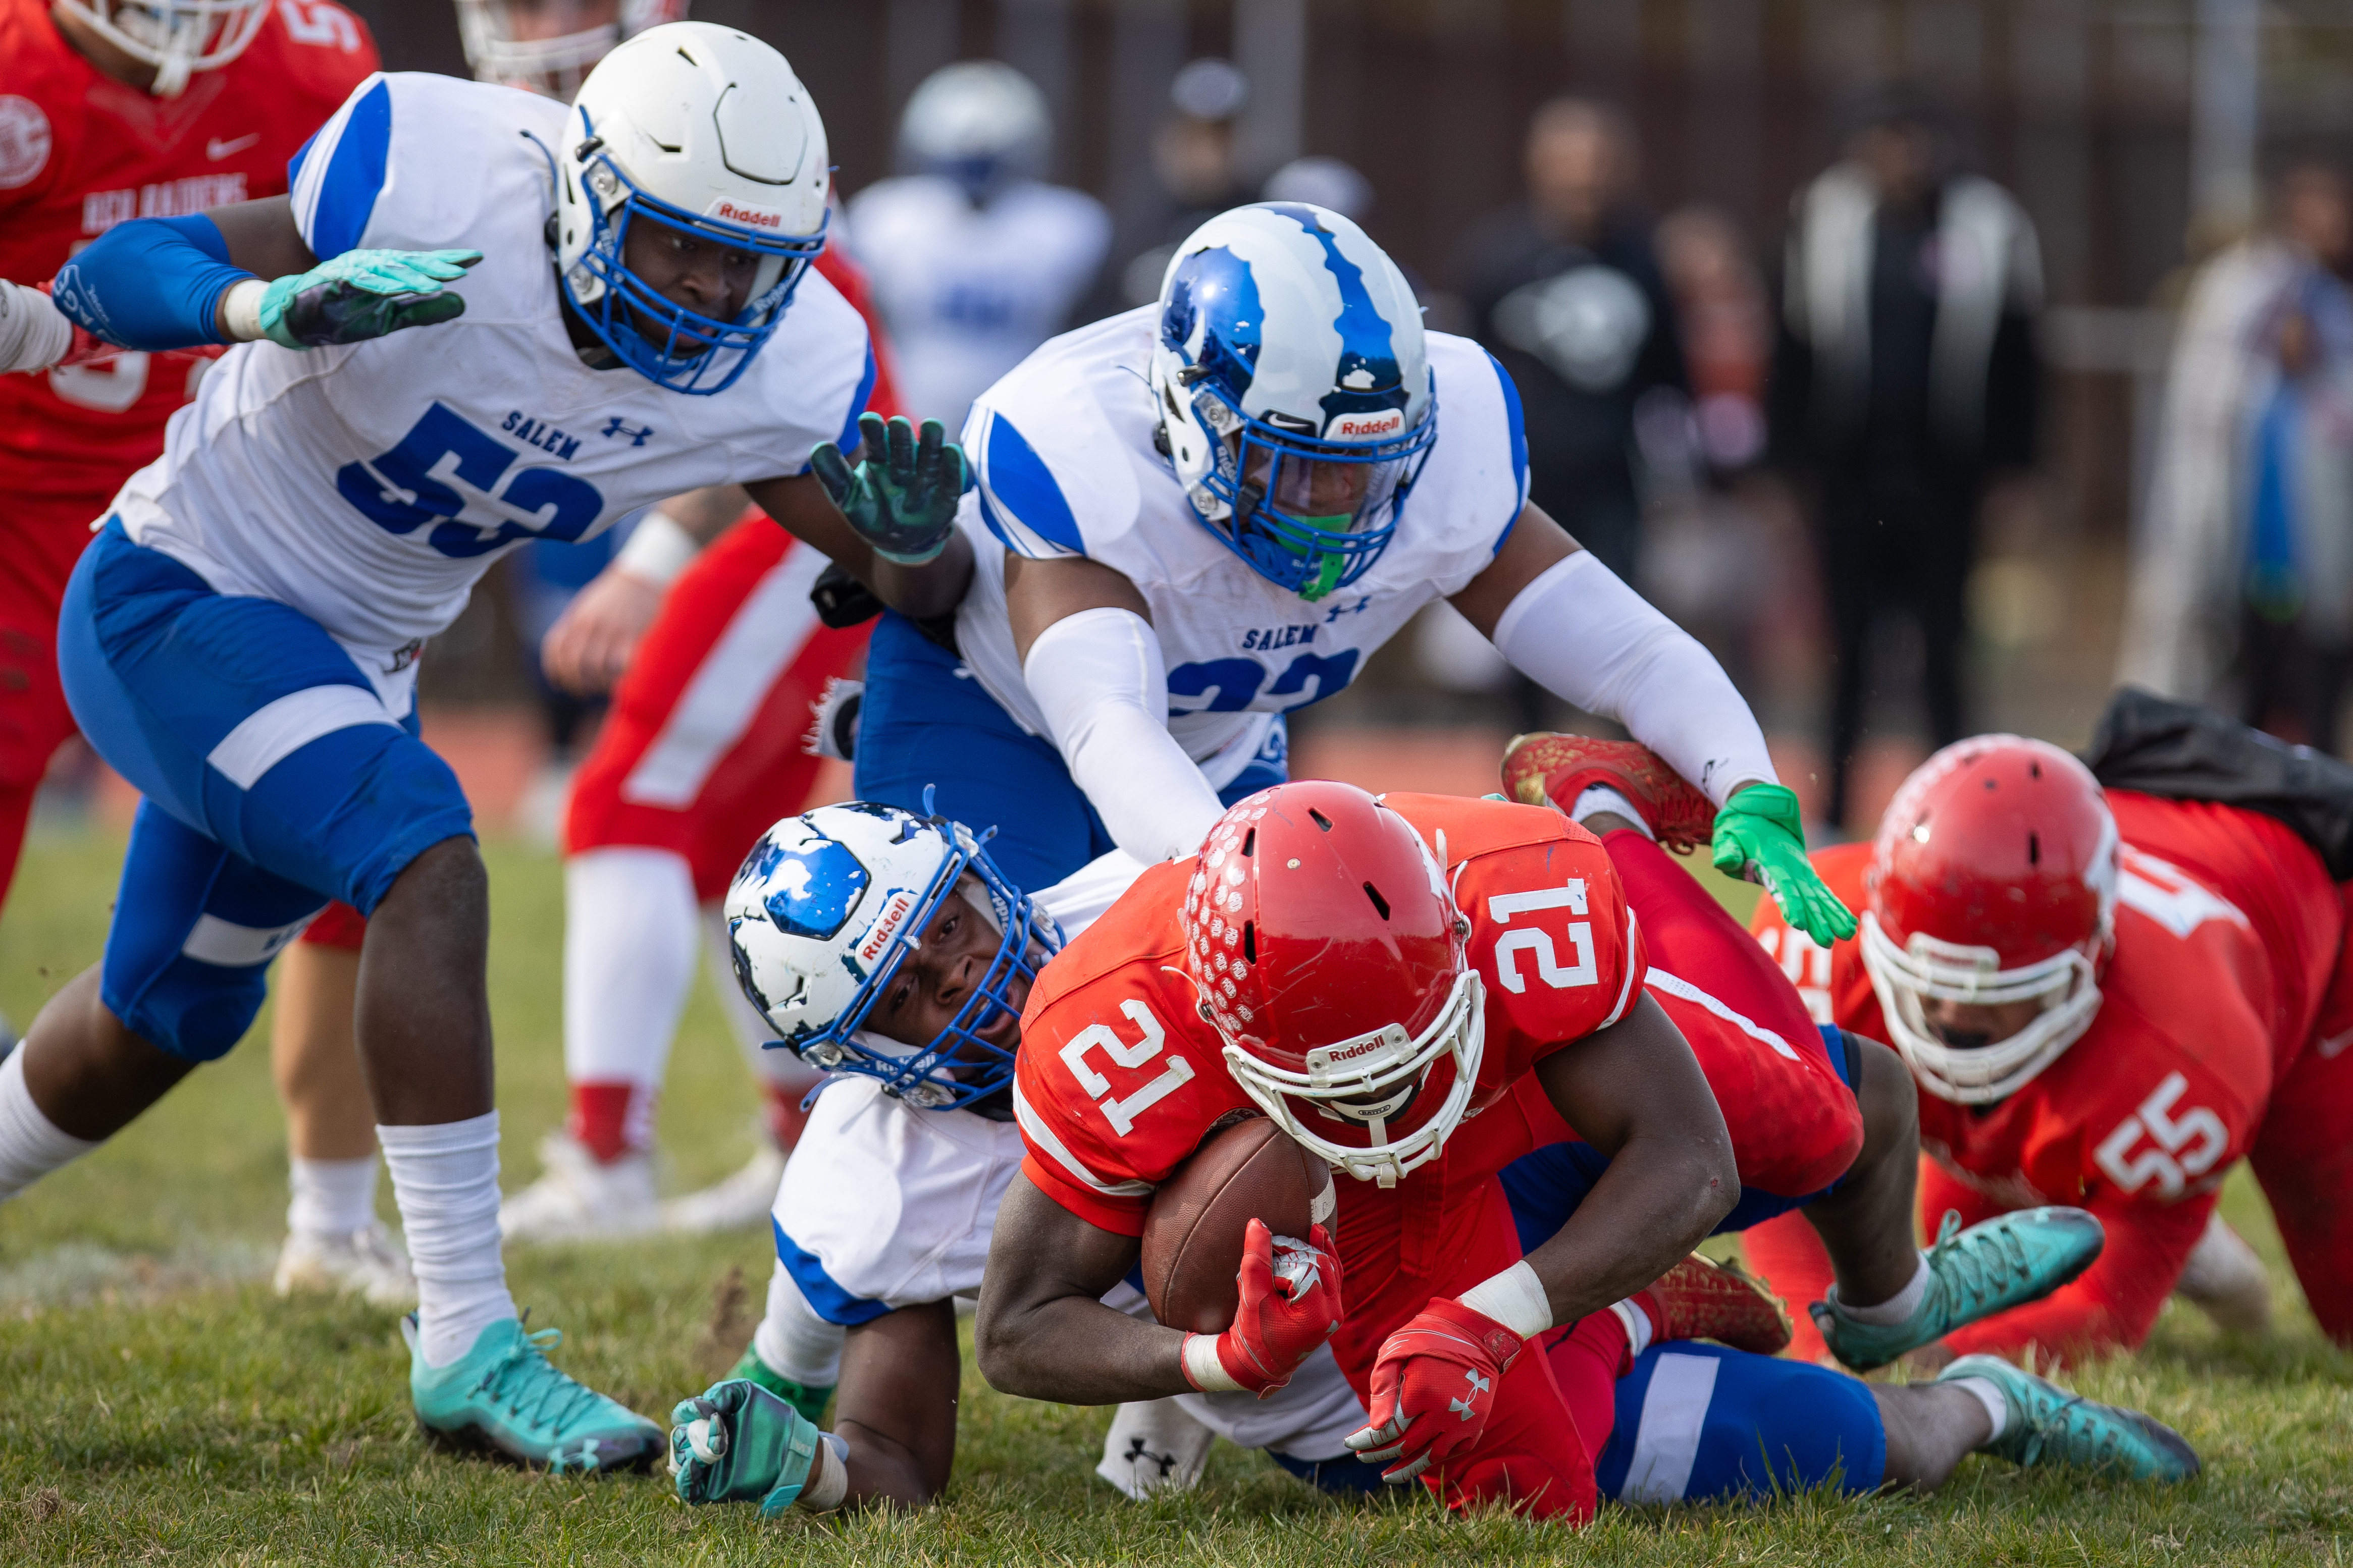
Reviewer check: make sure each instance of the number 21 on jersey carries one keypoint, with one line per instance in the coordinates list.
(1122, 1113)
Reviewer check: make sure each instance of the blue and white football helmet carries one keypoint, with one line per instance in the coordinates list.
(978, 123)
(1293, 390)
(828, 905)
(706, 129)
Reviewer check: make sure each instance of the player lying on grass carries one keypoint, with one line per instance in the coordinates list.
(896, 1207)
(1198, 516)
(2108, 998)
(1328, 918)
(240, 640)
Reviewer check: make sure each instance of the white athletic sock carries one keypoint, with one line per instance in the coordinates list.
(1637, 1326)
(1897, 1308)
(332, 1197)
(1594, 799)
(31, 1145)
(446, 1179)
(628, 963)
(1988, 1396)
(793, 1342)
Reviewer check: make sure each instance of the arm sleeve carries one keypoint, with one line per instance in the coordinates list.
(1585, 636)
(150, 283)
(1100, 681)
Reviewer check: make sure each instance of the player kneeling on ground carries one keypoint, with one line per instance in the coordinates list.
(1353, 1003)
(886, 946)
(240, 639)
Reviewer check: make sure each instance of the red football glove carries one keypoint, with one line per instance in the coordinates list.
(1433, 1388)
(1290, 1305)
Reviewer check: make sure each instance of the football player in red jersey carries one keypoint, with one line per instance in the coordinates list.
(1321, 968)
(2107, 998)
(110, 111)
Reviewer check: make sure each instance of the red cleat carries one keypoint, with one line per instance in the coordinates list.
(1697, 1300)
(1546, 769)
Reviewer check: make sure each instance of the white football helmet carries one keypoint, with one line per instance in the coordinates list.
(700, 128)
(548, 45)
(826, 908)
(981, 123)
(178, 37)
(1293, 390)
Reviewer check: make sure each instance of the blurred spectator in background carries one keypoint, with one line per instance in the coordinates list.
(1724, 318)
(1906, 377)
(974, 260)
(1324, 183)
(1193, 161)
(1565, 290)
(2217, 583)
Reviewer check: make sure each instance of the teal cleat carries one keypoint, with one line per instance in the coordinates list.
(810, 1398)
(2004, 1262)
(739, 1443)
(503, 1396)
(2049, 1426)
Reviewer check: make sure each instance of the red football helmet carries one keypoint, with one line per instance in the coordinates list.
(1330, 959)
(1993, 881)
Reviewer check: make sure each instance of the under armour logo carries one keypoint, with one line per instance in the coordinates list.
(1468, 1407)
(1337, 611)
(1137, 1453)
(639, 435)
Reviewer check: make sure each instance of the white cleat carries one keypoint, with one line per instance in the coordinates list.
(737, 1202)
(2227, 1281)
(367, 1263)
(579, 1198)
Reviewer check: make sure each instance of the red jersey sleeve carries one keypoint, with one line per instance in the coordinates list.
(1555, 941)
(1118, 1080)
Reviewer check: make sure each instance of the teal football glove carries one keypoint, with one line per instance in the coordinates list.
(1757, 835)
(739, 1443)
(901, 498)
(364, 294)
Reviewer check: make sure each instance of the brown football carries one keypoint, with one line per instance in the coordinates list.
(1193, 1234)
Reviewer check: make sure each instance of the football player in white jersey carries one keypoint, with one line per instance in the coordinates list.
(976, 260)
(1201, 514)
(885, 947)
(239, 640)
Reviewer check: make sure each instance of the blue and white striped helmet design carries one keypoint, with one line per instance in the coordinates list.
(1292, 383)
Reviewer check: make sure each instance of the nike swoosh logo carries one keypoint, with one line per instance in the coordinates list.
(217, 149)
(2333, 1044)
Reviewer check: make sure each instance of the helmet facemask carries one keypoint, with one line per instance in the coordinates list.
(2065, 985)
(178, 37)
(670, 344)
(1308, 514)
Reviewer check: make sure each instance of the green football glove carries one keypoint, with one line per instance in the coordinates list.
(1757, 835)
(901, 498)
(739, 1443)
(364, 294)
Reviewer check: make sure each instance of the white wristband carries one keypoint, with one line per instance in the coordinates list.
(824, 1491)
(1203, 1370)
(34, 333)
(240, 311)
(659, 549)
(1515, 1299)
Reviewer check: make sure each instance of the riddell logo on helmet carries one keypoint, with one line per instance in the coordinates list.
(726, 211)
(1360, 425)
(1349, 1053)
(878, 936)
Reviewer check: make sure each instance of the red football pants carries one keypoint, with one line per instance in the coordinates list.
(40, 539)
(1402, 1248)
(701, 752)
(1796, 1126)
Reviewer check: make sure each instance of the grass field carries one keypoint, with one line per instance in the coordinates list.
(158, 1403)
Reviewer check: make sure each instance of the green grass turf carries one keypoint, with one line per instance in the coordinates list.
(158, 1403)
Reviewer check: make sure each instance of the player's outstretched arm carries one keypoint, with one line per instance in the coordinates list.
(921, 592)
(897, 1404)
(174, 283)
(1043, 1331)
(1568, 622)
(1635, 1092)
